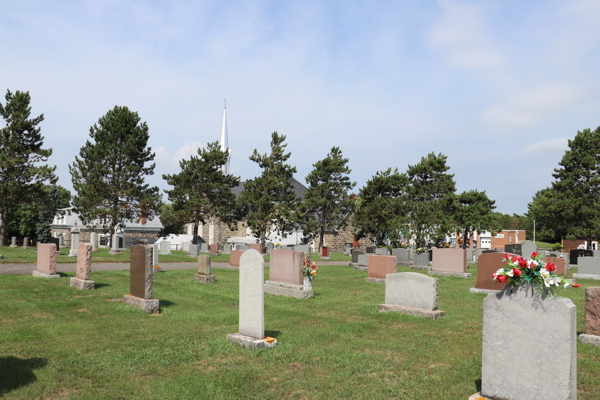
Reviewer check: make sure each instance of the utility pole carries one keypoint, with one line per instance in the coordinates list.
(534, 230)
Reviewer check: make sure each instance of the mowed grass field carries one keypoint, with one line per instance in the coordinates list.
(60, 343)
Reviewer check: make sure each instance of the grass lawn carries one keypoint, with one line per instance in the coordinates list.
(20, 256)
(60, 343)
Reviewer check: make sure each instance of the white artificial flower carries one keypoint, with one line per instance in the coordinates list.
(510, 273)
(544, 273)
(567, 285)
(546, 283)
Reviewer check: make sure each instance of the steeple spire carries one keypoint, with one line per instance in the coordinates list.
(224, 142)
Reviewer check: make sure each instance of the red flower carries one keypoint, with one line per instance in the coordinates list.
(502, 278)
(521, 263)
(576, 285)
(533, 255)
(550, 267)
(517, 272)
(506, 256)
(314, 267)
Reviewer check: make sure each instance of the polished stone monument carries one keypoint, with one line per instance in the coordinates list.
(140, 280)
(286, 276)
(46, 261)
(379, 267)
(412, 293)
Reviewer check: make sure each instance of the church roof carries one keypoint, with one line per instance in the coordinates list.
(298, 188)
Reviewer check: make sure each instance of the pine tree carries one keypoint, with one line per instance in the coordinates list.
(577, 186)
(381, 207)
(22, 172)
(473, 212)
(268, 200)
(543, 209)
(201, 191)
(327, 202)
(431, 194)
(108, 176)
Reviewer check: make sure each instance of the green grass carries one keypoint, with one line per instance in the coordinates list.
(60, 343)
(543, 245)
(20, 256)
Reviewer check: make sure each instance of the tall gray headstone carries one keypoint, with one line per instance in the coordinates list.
(194, 250)
(204, 247)
(355, 253)
(74, 242)
(93, 241)
(540, 334)
(527, 248)
(588, 266)
(61, 241)
(269, 246)
(13, 242)
(115, 243)
(227, 248)
(155, 252)
(25, 242)
(252, 299)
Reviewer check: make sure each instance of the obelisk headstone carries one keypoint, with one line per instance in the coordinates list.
(46, 261)
(252, 303)
(74, 241)
(114, 250)
(83, 269)
(204, 274)
(140, 280)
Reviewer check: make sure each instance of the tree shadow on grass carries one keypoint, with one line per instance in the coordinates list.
(273, 334)
(101, 285)
(64, 274)
(18, 372)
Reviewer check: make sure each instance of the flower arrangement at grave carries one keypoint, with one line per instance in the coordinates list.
(310, 269)
(420, 250)
(534, 272)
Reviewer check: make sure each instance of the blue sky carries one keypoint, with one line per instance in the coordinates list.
(497, 86)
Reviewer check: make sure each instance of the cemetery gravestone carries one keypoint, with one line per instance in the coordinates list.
(214, 249)
(13, 242)
(488, 264)
(559, 262)
(186, 246)
(412, 293)
(84, 267)
(257, 247)
(355, 253)
(61, 241)
(165, 248)
(370, 250)
(46, 261)
(234, 259)
(155, 257)
(74, 242)
(93, 241)
(575, 254)
(379, 267)
(140, 280)
(25, 242)
(56, 242)
(204, 273)
(528, 248)
(286, 277)
(305, 249)
(347, 249)
(588, 268)
(241, 247)
(204, 247)
(381, 251)
(193, 250)
(363, 262)
(114, 250)
(227, 248)
(514, 249)
(591, 317)
(450, 262)
(252, 303)
(420, 260)
(537, 323)
(269, 246)
(402, 255)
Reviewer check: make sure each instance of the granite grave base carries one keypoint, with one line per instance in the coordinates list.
(287, 290)
(151, 306)
(586, 276)
(233, 267)
(465, 275)
(380, 281)
(590, 339)
(112, 253)
(82, 284)
(252, 343)
(352, 264)
(205, 278)
(44, 275)
(416, 312)
(361, 268)
(421, 267)
(484, 291)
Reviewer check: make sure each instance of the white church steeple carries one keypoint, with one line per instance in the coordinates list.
(224, 144)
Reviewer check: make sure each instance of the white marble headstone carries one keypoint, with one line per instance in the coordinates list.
(252, 299)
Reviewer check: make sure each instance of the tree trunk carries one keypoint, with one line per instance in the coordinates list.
(465, 237)
(589, 242)
(321, 239)
(3, 224)
(195, 232)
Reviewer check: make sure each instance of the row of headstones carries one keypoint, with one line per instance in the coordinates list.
(46, 264)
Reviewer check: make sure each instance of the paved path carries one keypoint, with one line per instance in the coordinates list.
(70, 267)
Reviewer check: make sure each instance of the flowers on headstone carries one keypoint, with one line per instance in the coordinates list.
(310, 269)
(420, 250)
(534, 272)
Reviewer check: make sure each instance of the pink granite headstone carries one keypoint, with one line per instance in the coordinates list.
(286, 266)
(449, 260)
(214, 248)
(559, 262)
(380, 266)
(46, 258)
(84, 261)
(234, 258)
(257, 247)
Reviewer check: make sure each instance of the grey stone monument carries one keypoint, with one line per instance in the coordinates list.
(155, 257)
(303, 248)
(204, 273)
(269, 246)
(402, 255)
(227, 248)
(25, 242)
(114, 245)
(588, 268)
(355, 253)
(186, 246)
(204, 248)
(140, 280)
(252, 303)
(13, 242)
(165, 248)
(545, 330)
(74, 242)
(61, 241)
(527, 248)
(381, 251)
(93, 240)
(362, 263)
(412, 293)
(242, 247)
(193, 250)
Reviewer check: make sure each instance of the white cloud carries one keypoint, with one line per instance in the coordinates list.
(189, 149)
(460, 32)
(553, 145)
(530, 106)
